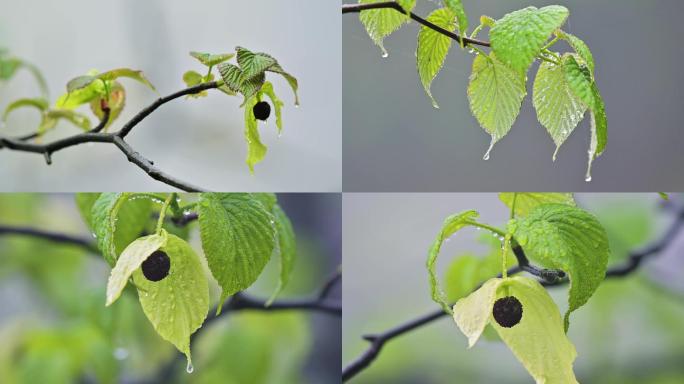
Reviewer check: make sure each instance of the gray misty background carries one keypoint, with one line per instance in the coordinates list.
(629, 331)
(198, 141)
(394, 140)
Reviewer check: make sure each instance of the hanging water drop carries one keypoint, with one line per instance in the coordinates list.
(489, 150)
(385, 54)
(189, 368)
(588, 178)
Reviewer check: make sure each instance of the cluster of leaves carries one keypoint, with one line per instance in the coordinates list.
(239, 232)
(248, 78)
(564, 88)
(554, 233)
(103, 91)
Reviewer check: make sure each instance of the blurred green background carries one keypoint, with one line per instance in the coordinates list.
(54, 327)
(630, 331)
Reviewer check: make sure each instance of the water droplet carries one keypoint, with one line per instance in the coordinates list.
(588, 178)
(189, 368)
(555, 153)
(385, 54)
(489, 150)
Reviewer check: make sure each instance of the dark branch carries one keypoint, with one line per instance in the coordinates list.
(356, 8)
(330, 284)
(51, 236)
(117, 138)
(377, 341)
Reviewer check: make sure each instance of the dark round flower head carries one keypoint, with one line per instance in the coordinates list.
(156, 267)
(507, 311)
(261, 110)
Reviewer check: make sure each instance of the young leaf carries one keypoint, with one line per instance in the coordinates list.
(192, 78)
(177, 305)
(117, 222)
(558, 109)
(451, 225)
(71, 100)
(380, 23)
(79, 82)
(564, 237)
(457, 8)
(538, 341)
(526, 202)
(235, 80)
(519, 37)
(253, 64)
(256, 150)
(287, 248)
(38, 103)
(267, 89)
(131, 259)
(209, 59)
(496, 93)
(126, 72)
(238, 238)
(78, 119)
(116, 103)
(433, 48)
(473, 312)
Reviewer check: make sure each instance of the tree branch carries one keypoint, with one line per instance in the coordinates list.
(378, 341)
(356, 8)
(117, 138)
(56, 237)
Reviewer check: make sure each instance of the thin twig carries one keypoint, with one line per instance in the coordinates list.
(117, 138)
(56, 237)
(330, 284)
(377, 341)
(356, 8)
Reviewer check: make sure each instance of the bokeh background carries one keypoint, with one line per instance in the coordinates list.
(199, 141)
(54, 327)
(628, 332)
(394, 140)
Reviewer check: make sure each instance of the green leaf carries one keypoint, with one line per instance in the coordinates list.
(580, 48)
(8, 67)
(277, 104)
(39, 103)
(253, 64)
(78, 119)
(526, 202)
(599, 129)
(209, 59)
(126, 72)
(578, 79)
(287, 248)
(276, 68)
(433, 48)
(256, 150)
(473, 312)
(80, 82)
(192, 78)
(496, 93)
(558, 109)
(85, 202)
(451, 225)
(380, 23)
(117, 221)
(177, 305)
(466, 272)
(238, 238)
(519, 37)
(564, 237)
(131, 259)
(234, 79)
(71, 100)
(457, 8)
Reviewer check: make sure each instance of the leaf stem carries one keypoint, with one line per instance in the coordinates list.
(515, 198)
(162, 213)
(489, 228)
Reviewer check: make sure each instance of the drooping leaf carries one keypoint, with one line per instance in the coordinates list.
(599, 129)
(457, 8)
(380, 23)
(267, 89)
(276, 68)
(526, 202)
(519, 36)
(126, 72)
(131, 259)
(578, 79)
(581, 49)
(473, 312)
(209, 59)
(433, 47)
(451, 225)
(256, 150)
(287, 249)
(177, 305)
(78, 119)
(561, 236)
(238, 238)
(39, 103)
(116, 222)
(253, 64)
(558, 109)
(496, 93)
(538, 341)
